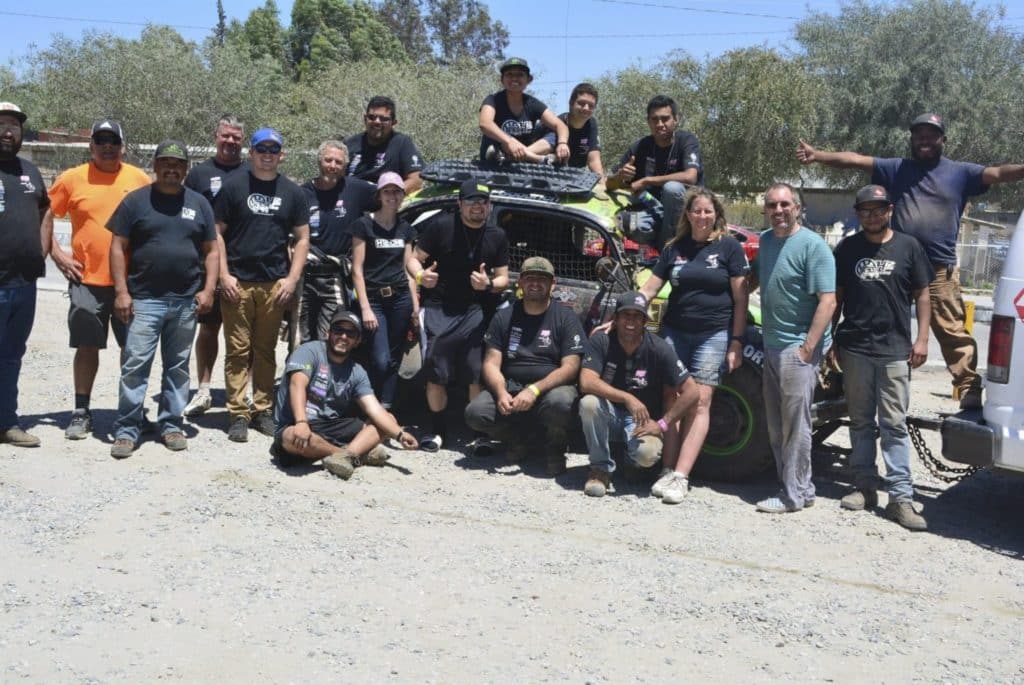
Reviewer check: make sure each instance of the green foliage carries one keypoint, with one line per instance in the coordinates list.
(262, 33)
(445, 31)
(328, 32)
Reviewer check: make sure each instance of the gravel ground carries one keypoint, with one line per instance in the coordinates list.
(213, 565)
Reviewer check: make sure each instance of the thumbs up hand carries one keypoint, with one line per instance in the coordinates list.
(429, 276)
(628, 171)
(479, 279)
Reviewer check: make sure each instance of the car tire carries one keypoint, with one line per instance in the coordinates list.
(737, 445)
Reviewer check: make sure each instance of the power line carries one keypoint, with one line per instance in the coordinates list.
(652, 35)
(682, 8)
(104, 21)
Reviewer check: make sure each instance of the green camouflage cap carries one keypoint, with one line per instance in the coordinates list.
(174, 149)
(537, 265)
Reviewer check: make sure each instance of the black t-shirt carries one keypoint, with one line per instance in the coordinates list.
(645, 375)
(651, 160)
(385, 251)
(700, 273)
(878, 281)
(524, 125)
(368, 162)
(23, 201)
(332, 213)
(208, 177)
(582, 140)
(259, 217)
(459, 251)
(165, 235)
(533, 345)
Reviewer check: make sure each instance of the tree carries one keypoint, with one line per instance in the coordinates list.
(884, 66)
(445, 31)
(220, 32)
(754, 106)
(405, 20)
(262, 33)
(327, 32)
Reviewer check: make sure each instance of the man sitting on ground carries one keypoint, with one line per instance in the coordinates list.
(317, 401)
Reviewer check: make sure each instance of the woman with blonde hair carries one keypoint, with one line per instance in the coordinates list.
(705, 320)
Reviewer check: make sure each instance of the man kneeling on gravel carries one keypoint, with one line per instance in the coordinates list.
(627, 373)
(318, 401)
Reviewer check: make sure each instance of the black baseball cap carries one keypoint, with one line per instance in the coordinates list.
(345, 316)
(632, 301)
(515, 63)
(108, 126)
(929, 119)
(471, 189)
(872, 193)
(175, 149)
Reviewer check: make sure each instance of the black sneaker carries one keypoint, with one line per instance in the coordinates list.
(262, 422)
(239, 430)
(80, 425)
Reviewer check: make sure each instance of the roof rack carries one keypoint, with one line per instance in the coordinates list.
(514, 176)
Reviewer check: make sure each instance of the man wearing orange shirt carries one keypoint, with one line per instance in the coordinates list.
(88, 194)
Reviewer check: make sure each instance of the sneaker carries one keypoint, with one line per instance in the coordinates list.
(481, 447)
(676, 489)
(378, 456)
(122, 448)
(431, 443)
(658, 489)
(549, 160)
(175, 441)
(19, 438)
(199, 404)
(340, 464)
(902, 512)
(263, 422)
(80, 425)
(494, 154)
(859, 500)
(598, 483)
(239, 430)
(775, 505)
(555, 465)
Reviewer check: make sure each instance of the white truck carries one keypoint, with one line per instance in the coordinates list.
(994, 435)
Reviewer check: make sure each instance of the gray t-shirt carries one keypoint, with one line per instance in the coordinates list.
(333, 388)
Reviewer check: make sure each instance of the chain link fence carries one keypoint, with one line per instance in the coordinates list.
(981, 263)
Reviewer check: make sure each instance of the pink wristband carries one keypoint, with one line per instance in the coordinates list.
(662, 425)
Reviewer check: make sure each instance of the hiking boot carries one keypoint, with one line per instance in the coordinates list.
(340, 464)
(555, 464)
(263, 422)
(598, 483)
(239, 430)
(859, 500)
(902, 512)
(19, 438)
(80, 425)
(658, 489)
(378, 456)
(971, 399)
(175, 441)
(676, 489)
(198, 405)
(122, 448)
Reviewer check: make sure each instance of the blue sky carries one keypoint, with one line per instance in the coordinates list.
(565, 41)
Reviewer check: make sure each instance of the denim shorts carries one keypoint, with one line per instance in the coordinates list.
(703, 354)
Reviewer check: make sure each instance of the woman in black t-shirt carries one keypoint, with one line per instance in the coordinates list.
(381, 245)
(705, 320)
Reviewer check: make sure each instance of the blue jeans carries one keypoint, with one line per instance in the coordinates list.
(17, 313)
(171, 322)
(703, 354)
(876, 387)
(662, 216)
(603, 421)
(393, 316)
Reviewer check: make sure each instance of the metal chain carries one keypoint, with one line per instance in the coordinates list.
(942, 471)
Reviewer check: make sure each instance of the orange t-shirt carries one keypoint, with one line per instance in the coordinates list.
(89, 197)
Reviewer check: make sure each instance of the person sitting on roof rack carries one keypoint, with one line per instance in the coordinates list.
(584, 141)
(510, 119)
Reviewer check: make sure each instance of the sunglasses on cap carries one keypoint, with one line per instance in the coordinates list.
(346, 331)
(267, 149)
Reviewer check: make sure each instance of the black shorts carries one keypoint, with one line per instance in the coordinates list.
(90, 316)
(213, 316)
(450, 339)
(338, 432)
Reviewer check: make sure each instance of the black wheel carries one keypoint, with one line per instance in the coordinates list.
(737, 444)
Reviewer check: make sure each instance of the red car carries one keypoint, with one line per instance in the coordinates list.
(750, 240)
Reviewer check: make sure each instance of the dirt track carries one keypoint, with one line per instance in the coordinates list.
(215, 566)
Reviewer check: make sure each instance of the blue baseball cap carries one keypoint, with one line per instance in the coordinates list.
(266, 134)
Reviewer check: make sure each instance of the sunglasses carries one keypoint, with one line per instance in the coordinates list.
(475, 201)
(378, 117)
(267, 149)
(345, 331)
(872, 211)
(107, 140)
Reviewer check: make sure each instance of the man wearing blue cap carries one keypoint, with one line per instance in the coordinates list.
(257, 213)
(930, 193)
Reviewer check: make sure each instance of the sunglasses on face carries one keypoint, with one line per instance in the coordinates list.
(267, 149)
(107, 140)
(475, 202)
(872, 211)
(345, 331)
(378, 117)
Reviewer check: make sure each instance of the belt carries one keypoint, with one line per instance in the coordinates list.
(387, 290)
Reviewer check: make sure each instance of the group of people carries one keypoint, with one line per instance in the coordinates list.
(232, 243)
